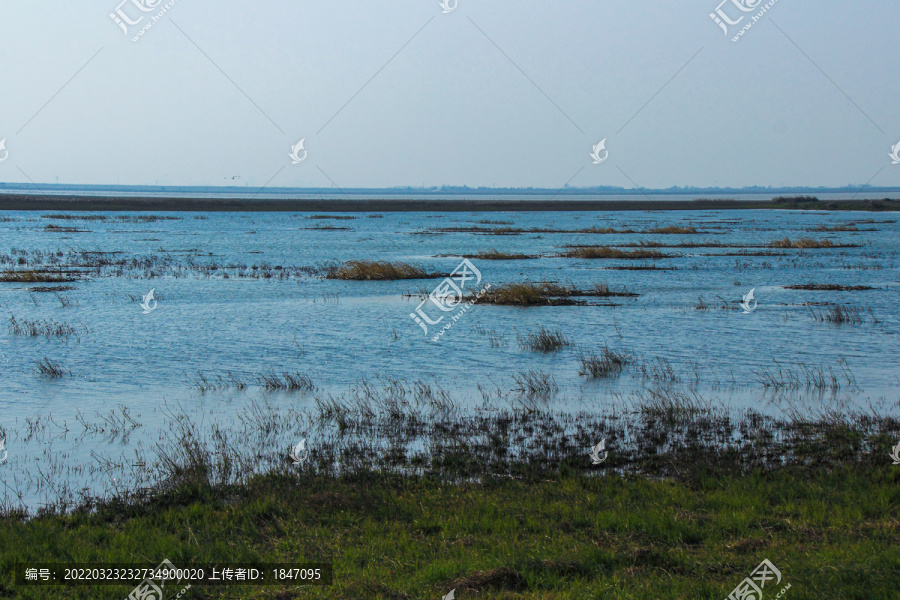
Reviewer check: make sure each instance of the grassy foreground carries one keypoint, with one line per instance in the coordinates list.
(831, 533)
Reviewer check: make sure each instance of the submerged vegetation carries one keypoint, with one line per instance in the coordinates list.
(829, 287)
(497, 255)
(612, 253)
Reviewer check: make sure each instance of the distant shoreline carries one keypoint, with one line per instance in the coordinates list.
(23, 202)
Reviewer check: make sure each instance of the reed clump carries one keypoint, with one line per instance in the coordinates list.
(839, 315)
(32, 276)
(40, 327)
(535, 383)
(802, 243)
(290, 382)
(608, 363)
(51, 369)
(545, 340)
(370, 270)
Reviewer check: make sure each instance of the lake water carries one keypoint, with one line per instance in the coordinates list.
(687, 315)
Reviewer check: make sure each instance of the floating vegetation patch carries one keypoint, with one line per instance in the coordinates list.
(366, 270)
(588, 230)
(807, 243)
(115, 218)
(59, 229)
(547, 294)
(33, 276)
(605, 252)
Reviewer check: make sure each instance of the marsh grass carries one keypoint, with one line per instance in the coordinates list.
(672, 406)
(497, 255)
(33, 276)
(608, 363)
(51, 369)
(209, 382)
(829, 287)
(599, 252)
(587, 230)
(800, 375)
(548, 294)
(286, 381)
(119, 218)
(495, 339)
(834, 228)
(544, 340)
(42, 327)
(535, 383)
(839, 315)
(325, 227)
(639, 268)
(64, 301)
(364, 270)
(658, 369)
(805, 243)
(672, 229)
(61, 229)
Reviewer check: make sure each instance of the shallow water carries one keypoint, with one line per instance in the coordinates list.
(341, 332)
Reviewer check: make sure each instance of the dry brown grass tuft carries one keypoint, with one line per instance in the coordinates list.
(31, 276)
(802, 243)
(368, 270)
(672, 229)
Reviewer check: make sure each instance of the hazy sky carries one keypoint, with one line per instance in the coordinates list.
(505, 93)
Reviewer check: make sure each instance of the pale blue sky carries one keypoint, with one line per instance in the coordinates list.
(450, 108)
